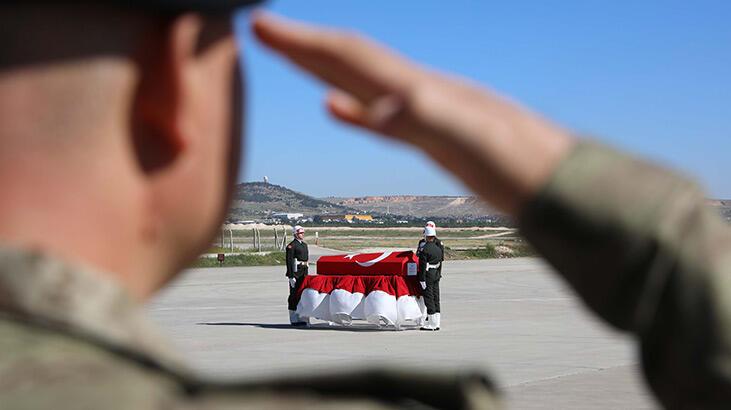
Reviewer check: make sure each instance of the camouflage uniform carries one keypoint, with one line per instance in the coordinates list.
(645, 253)
(73, 339)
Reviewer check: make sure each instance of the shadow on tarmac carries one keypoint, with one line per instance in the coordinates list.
(318, 326)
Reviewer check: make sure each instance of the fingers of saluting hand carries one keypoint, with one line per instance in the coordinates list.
(379, 116)
(355, 65)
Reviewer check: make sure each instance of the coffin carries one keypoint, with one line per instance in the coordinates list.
(401, 263)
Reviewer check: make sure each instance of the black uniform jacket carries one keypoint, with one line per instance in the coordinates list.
(420, 247)
(431, 254)
(422, 242)
(296, 250)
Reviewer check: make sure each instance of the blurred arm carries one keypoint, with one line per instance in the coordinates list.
(643, 250)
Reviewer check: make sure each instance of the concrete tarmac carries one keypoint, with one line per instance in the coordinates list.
(510, 318)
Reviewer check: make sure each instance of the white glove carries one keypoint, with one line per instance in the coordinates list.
(292, 282)
(423, 285)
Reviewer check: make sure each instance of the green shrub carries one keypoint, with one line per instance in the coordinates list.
(487, 252)
(247, 259)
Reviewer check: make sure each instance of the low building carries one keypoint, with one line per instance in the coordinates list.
(287, 216)
(350, 218)
(359, 218)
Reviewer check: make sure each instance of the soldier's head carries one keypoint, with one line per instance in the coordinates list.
(299, 232)
(429, 224)
(430, 233)
(120, 131)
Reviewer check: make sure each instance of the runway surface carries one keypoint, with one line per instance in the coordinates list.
(510, 318)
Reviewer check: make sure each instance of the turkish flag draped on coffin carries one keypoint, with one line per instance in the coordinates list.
(382, 263)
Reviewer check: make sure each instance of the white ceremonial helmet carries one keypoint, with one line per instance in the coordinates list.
(430, 224)
(430, 231)
(297, 229)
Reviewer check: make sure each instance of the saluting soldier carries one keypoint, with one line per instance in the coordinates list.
(73, 297)
(430, 262)
(297, 256)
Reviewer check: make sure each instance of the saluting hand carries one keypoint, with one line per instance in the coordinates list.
(499, 150)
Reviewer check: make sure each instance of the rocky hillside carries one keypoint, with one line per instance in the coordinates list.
(416, 205)
(258, 199)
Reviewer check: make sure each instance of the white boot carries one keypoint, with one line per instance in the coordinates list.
(293, 317)
(437, 320)
(430, 320)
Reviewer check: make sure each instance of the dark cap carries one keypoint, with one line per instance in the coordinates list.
(204, 6)
(165, 6)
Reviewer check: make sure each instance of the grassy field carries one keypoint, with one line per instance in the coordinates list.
(244, 259)
(353, 239)
(268, 233)
(460, 243)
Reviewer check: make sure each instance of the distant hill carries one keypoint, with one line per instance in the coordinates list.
(417, 205)
(257, 199)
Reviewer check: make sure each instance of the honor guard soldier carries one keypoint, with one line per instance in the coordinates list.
(297, 256)
(420, 247)
(430, 262)
(422, 241)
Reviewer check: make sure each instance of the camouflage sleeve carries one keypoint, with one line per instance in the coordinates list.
(644, 252)
(362, 389)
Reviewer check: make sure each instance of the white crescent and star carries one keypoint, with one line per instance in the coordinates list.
(371, 262)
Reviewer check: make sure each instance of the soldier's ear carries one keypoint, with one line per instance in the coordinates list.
(158, 126)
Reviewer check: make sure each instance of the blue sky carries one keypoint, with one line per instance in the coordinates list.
(651, 77)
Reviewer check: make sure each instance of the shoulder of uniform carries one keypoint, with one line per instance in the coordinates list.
(289, 246)
(65, 355)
